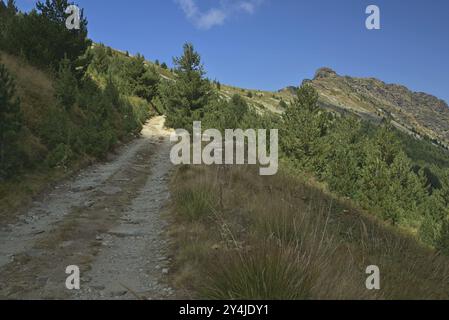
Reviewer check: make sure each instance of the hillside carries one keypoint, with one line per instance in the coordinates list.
(55, 140)
(219, 244)
(241, 236)
(417, 113)
(88, 179)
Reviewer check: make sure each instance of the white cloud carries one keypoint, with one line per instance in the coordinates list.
(211, 18)
(215, 16)
(189, 7)
(248, 7)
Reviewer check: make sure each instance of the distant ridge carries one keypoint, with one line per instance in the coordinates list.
(418, 113)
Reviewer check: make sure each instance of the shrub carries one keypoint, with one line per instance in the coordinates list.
(60, 156)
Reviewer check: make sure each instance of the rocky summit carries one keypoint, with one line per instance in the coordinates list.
(417, 113)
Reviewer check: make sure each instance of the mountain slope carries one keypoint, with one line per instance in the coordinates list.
(373, 99)
(416, 113)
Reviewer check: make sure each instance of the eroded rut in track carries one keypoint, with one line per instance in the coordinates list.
(107, 221)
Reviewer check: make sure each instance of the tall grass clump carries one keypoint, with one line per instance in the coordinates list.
(265, 272)
(195, 203)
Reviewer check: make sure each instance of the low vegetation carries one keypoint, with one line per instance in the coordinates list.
(64, 101)
(382, 170)
(242, 236)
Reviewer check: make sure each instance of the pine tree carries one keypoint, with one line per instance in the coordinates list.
(111, 96)
(186, 98)
(101, 59)
(304, 124)
(66, 87)
(437, 210)
(443, 240)
(42, 37)
(10, 124)
(147, 84)
(11, 7)
(444, 191)
(238, 108)
(3, 24)
(387, 143)
(143, 81)
(8, 9)
(7, 18)
(406, 189)
(341, 155)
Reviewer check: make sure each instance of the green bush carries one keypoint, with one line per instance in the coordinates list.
(60, 156)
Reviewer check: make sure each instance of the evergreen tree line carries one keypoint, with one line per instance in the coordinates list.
(368, 164)
(363, 162)
(131, 75)
(100, 98)
(41, 36)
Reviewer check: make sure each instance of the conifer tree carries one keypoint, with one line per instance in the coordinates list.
(304, 124)
(443, 239)
(66, 86)
(8, 13)
(341, 156)
(10, 124)
(186, 98)
(147, 84)
(42, 37)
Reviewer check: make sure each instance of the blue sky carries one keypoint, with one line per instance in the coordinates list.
(269, 44)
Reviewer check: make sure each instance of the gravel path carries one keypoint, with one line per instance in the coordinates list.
(107, 221)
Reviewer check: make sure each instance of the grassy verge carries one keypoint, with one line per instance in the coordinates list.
(238, 235)
(18, 193)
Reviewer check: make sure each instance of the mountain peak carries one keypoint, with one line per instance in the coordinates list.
(325, 73)
(373, 99)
